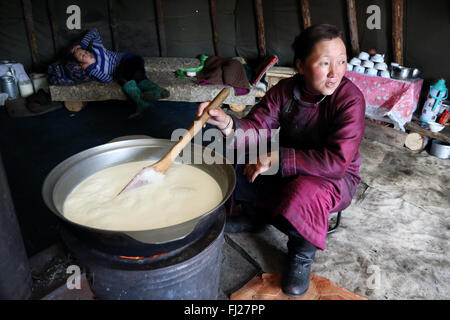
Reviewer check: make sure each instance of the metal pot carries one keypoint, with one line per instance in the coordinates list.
(404, 73)
(440, 149)
(69, 173)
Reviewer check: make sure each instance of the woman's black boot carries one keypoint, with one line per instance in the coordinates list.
(301, 255)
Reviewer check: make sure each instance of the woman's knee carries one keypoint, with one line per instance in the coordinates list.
(312, 193)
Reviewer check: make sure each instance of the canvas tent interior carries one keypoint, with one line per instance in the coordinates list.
(185, 30)
(131, 26)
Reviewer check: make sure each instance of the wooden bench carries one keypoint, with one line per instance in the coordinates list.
(275, 74)
(162, 72)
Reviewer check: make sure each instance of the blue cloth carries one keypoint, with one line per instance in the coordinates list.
(105, 61)
(67, 74)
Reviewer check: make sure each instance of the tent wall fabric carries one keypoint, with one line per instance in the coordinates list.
(131, 26)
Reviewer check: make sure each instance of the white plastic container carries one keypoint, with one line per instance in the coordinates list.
(438, 92)
(26, 88)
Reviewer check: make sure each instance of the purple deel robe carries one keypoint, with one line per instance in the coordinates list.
(319, 153)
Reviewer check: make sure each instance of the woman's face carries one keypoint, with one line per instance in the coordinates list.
(324, 67)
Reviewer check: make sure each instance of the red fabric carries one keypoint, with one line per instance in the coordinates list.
(319, 152)
(395, 99)
(267, 63)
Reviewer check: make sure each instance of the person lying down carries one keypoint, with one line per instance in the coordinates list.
(126, 68)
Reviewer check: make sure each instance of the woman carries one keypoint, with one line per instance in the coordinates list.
(127, 68)
(320, 114)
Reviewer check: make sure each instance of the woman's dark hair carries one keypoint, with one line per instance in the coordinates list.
(305, 42)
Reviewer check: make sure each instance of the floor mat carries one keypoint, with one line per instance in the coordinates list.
(267, 287)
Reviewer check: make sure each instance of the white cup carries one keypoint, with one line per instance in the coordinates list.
(363, 55)
(371, 72)
(381, 66)
(367, 64)
(355, 61)
(358, 69)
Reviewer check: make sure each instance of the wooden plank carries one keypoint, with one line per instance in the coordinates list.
(306, 13)
(386, 135)
(113, 26)
(414, 127)
(397, 30)
(31, 32)
(275, 74)
(353, 26)
(161, 28)
(212, 6)
(260, 27)
(281, 71)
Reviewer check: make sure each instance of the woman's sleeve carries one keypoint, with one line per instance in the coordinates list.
(342, 144)
(92, 35)
(264, 115)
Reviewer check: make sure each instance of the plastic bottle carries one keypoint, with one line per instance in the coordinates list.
(432, 106)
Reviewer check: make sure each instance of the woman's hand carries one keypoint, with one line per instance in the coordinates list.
(218, 117)
(262, 165)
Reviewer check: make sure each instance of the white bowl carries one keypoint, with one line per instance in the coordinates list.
(381, 66)
(363, 55)
(355, 61)
(367, 64)
(371, 72)
(384, 73)
(377, 58)
(435, 127)
(359, 69)
(349, 67)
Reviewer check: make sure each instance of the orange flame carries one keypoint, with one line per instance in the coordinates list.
(137, 258)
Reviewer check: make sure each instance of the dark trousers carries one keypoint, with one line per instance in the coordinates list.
(249, 192)
(131, 67)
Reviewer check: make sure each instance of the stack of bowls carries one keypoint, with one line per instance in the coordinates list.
(370, 65)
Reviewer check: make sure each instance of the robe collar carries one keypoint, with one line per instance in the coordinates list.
(300, 91)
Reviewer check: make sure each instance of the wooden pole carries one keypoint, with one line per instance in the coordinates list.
(161, 28)
(306, 14)
(212, 4)
(31, 32)
(397, 30)
(53, 25)
(353, 26)
(113, 26)
(260, 26)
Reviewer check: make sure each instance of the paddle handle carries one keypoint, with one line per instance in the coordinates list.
(195, 128)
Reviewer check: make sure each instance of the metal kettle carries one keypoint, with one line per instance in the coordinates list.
(8, 84)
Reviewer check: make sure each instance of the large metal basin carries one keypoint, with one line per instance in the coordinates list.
(68, 174)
